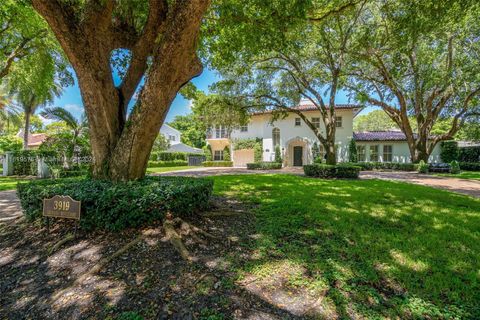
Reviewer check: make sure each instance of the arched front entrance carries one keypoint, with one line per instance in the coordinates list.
(297, 153)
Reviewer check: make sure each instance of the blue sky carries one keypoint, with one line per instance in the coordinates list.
(72, 101)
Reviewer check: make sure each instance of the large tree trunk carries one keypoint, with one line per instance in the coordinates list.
(331, 154)
(26, 130)
(121, 146)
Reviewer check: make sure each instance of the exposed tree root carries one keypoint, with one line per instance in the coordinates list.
(194, 228)
(175, 239)
(56, 246)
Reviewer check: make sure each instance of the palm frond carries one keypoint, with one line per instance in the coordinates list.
(61, 114)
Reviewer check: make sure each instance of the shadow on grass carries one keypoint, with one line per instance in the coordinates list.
(367, 248)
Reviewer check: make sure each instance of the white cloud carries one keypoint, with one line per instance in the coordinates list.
(76, 109)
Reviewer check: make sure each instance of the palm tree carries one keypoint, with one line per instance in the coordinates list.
(9, 112)
(78, 126)
(30, 102)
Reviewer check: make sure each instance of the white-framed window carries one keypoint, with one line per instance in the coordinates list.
(298, 122)
(338, 122)
(276, 137)
(244, 128)
(387, 153)
(220, 132)
(218, 155)
(361, 153)
(316, 122)
(374, 153)
(171, 137)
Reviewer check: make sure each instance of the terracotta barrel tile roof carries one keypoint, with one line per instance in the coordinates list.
(379, 136)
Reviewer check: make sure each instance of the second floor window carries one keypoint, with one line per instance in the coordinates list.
(361, 153)
(316, 122)
(387, 153)
(298, 122)
(171, 138)
(244, 128)
(374, 153)
(276, 137)
(220, 132)
(338, 122)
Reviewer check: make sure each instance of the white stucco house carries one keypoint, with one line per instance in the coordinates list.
(296, 139)
(174, 137)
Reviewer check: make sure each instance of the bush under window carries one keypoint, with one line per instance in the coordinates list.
(115, 206)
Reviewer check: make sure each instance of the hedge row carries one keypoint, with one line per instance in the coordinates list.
(469, 154)
(264, 165)
(217, 163)
(173, 163)
(470, 166)
(115, 206)
(369, 166)
(170, 156)
(332, 171)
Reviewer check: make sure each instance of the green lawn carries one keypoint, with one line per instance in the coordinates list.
(370, 248)
(167, 169)
(8, 183)
(475, 175)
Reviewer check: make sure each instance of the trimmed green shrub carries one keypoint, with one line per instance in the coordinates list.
(170, 156)
(115, 206)
(352, 151)
(454, 167)
(470, 166)
(315, 151)
(264, 165)
(173, 163)
(423, 167)
(278, 154)
(25, 162)
(208, 152)
(469, 154)
(332, 171)
(369, 166)
(217, 163)
(449, 151)
(226, 154)
(258, 152)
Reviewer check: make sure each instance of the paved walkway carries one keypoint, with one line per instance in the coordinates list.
(9, 207)
(468, 187)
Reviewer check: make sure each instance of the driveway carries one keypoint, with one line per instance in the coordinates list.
(468, 187)
(9, 207)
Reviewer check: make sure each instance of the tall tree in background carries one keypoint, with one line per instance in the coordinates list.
(9, 111)
(376, 120)
(298, 50)
(30, 101)
(155, 39)
(418, 61)
(23, 34)
(191, 128)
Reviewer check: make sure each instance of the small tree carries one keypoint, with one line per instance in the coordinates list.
(315, 151)
(352, 151)
(161, 143)
(278, 154)
(226, 154)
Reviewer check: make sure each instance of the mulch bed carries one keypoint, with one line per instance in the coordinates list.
(150, 280)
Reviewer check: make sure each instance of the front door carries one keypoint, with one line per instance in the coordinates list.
(297, 156)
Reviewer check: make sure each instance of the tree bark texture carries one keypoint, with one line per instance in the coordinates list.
(121, 145)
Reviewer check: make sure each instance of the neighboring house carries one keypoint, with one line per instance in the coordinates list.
(171, 134)
(34, 139)
(174, 136)
(386, 146)
(296, 139)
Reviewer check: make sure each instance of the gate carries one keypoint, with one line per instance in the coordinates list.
(195, 160)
